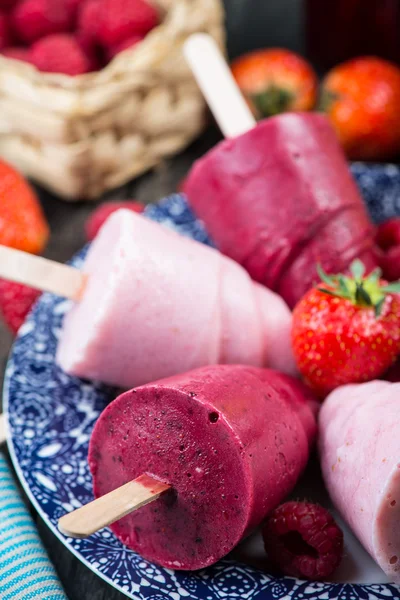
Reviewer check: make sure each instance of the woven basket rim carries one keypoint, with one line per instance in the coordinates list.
(152, 44)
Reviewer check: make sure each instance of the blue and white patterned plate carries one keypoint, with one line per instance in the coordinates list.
(50, 419)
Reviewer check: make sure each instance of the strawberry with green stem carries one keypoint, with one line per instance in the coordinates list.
(347, 329)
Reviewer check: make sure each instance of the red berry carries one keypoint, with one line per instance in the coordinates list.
(303, 540)
(7, 4)
(101, 214)
(388, 239)
(34, 19)
(347, 330)
(60, 53)
(88, 24)
(73, 7)
(17, 53)
(122, 19)
(129, 43)
(5, 38)
(16, 300)
(393, 374)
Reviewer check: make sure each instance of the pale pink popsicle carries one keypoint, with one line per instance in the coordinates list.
(359, 446)
(231, 440)
(157, 304)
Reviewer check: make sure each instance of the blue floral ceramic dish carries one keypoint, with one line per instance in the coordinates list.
(51, 416)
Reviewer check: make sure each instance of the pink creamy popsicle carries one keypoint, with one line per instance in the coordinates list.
(280, 198)
(231, 440)
(359, 447)
(157, 304)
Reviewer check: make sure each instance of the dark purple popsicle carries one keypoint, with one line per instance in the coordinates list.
(231, 440)
(280, 198)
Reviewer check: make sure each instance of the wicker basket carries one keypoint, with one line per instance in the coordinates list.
(80, 136)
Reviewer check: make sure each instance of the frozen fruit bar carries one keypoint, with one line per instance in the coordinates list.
(231, 440)
(157, 303)
(360, 455)
(280, 198)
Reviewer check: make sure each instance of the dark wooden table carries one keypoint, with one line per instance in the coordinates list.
(67, 236)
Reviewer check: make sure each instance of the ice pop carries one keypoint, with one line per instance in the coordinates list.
(150, 303)
(231, 440)
(360, 457)
(278, 198)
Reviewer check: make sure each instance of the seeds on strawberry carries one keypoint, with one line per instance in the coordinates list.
(303, 540)
(346, 331)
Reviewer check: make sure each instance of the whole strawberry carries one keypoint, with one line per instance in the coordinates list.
(346, 330)
(303, 540)
(16, 300)
(22, 223)
(361, 97)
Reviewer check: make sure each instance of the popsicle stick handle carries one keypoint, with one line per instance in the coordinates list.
(218, 85)
(41, 273)
(3, 437)
(112, 506)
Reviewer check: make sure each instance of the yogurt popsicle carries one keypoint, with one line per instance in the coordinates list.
(156, 304)
(231, 440)
(359, 447)
(280, 198)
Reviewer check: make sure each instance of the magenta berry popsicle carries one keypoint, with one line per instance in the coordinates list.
(231, 440)
(279, 199)
(156, 304)
(360, 457)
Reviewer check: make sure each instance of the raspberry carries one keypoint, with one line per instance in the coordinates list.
(16, 300)
(34, 19)
(101, 214)
(7, 4)
(17, 53)
(121, 19)
(72, 8)
(303, 540)
(129, 43)
(393, 374)
(60, 53)
(4, 31)
(88, 24)
(388, 239)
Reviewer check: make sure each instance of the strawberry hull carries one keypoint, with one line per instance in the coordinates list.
(231, 440)
(268, 194)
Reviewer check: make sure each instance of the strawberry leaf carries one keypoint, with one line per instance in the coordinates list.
(357, 269)
(378, 307)
(328, 279)
(392, 288)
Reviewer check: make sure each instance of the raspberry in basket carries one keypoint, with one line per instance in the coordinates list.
(60, 53)
(121, 19)
(34, 19)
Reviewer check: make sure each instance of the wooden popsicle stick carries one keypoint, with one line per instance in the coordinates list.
(3, 436)
(41, 273)
(218, 86)
(112, 506)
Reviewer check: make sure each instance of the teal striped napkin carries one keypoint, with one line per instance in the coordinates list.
(25, 569)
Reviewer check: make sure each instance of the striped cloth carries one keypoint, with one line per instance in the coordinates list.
(25, 569)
